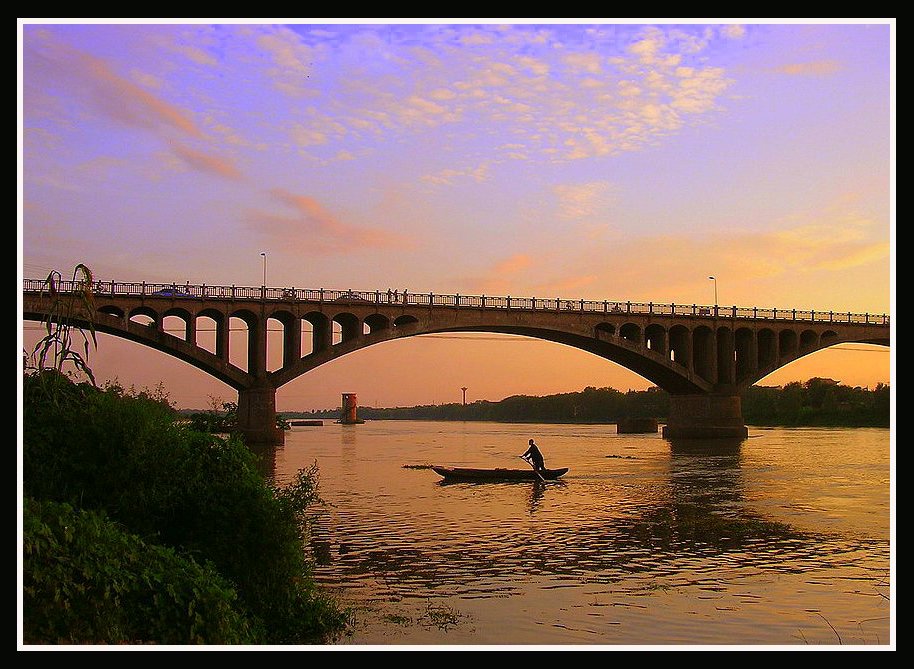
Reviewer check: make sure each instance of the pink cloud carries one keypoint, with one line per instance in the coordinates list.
(113, 95)
(314, 229)
(205, 162)
(816, 68)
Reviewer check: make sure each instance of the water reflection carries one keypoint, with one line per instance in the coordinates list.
(708, 518)
(265, 455)
(693, 510)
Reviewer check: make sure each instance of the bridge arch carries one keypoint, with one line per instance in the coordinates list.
(376, 323)
(655, 338)
(350, 326)
(630, 332)
(680, 350)
(112, 310)
(604, 330)
(787, 343)
(767, 348)
(809, 340)
(405, 320)
(255, 333)
(746, 358)
(704, 353)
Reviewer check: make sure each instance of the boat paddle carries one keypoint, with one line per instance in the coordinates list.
(535, 470)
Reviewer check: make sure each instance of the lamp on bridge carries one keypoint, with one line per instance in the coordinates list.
(714, 279)
(264, 255)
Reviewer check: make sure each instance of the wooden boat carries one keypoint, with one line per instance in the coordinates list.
(469, 474)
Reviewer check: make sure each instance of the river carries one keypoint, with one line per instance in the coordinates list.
(780, 540)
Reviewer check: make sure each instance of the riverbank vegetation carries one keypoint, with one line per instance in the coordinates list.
(818, 402)
(141, 530)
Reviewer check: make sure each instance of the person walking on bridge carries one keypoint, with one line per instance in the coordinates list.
(534, 456)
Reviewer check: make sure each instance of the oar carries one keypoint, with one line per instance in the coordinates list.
(535, 470)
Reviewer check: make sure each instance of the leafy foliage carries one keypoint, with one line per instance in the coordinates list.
(107, 450)
(86, 580)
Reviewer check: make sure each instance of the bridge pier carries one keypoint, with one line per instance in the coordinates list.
(257, 416)
(703, 416)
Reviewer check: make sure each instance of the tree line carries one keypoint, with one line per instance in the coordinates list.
(820, 402)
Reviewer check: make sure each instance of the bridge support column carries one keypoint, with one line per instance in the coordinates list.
(257, 416)
(705, 417)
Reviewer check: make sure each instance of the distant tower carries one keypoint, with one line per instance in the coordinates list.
(464, 389)
(350, 403)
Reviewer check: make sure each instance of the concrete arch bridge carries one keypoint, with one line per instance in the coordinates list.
(705, 356)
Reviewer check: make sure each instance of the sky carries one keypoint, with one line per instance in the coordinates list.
(620, 161)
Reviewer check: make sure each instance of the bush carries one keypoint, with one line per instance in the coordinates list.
(203, 495)
(88, 581)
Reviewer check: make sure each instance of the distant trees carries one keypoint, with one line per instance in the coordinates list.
(817, 402)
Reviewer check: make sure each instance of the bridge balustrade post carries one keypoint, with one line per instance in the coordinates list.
(672, 308)
(533, 302)
(321, 296)
(143, 293)
(734, 311)
(233, 291)
(431, 299)
(848, 317)
(483, 301)
(509, 302)
(831, 316)
(628, 307)
(457, 300)
(812, 315)
(694, 309)
(582, 304)
(605, 306)
(867, 318)
(793, 314)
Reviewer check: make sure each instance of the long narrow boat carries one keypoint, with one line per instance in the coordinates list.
(469, 474)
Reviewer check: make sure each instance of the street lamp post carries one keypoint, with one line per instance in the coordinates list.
(264, 255)
(714, 279)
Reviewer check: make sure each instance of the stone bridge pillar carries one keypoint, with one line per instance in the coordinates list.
(257, 415)
(705, 417)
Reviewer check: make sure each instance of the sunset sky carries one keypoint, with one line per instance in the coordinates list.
(601, 161)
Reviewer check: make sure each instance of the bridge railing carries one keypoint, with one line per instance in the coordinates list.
(557, 304)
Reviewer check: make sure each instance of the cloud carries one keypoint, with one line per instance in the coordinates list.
(313, 229)
(449, 175)
(580, 201)
(514, 264)
(206, 162)
(291, 57)
(110, 94)
(557, 94)
(811, 69)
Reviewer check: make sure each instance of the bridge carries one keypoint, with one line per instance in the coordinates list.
(705, 356)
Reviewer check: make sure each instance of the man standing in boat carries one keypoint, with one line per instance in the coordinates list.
(535, 457)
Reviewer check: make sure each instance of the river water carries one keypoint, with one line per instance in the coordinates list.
(780, 540)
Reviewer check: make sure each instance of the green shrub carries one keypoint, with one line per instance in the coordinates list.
(85, 580)
(172, 485)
